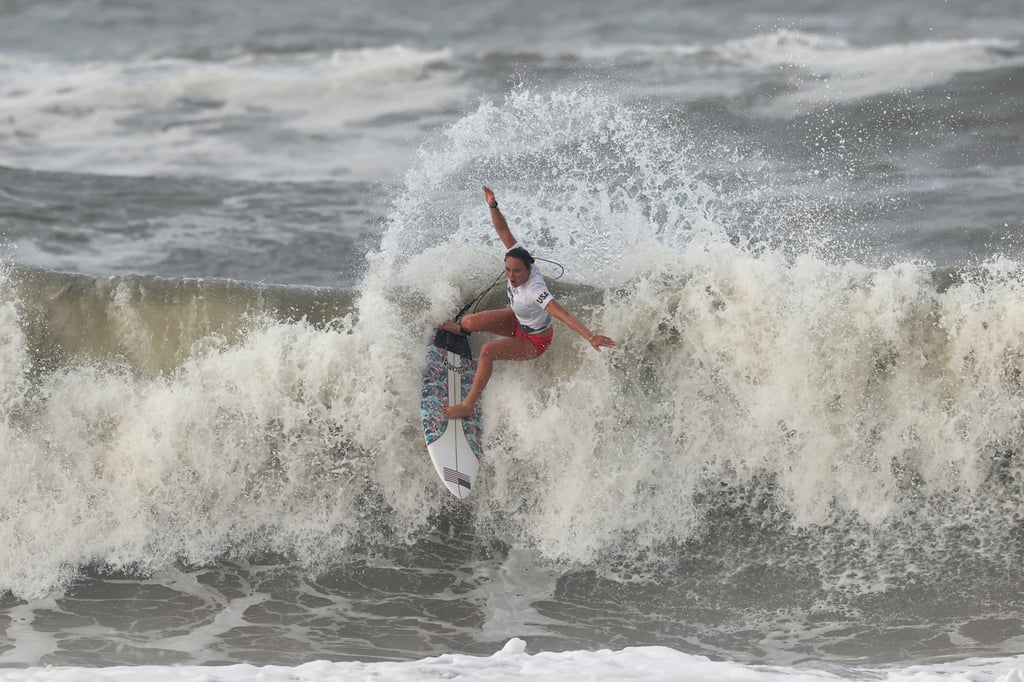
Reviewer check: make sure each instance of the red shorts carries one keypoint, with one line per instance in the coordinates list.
(541, 343)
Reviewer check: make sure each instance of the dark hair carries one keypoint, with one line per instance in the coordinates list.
(522, 254)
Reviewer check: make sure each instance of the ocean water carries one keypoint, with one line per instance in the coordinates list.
(227, 231)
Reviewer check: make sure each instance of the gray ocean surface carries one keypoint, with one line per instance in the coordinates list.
(226, 230)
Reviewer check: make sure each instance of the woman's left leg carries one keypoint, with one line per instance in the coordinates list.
(501, 322)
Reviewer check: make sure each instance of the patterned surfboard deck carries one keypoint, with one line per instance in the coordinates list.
(454, 445)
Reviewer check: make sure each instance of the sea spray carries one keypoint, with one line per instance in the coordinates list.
(14, 360)
(580, 176)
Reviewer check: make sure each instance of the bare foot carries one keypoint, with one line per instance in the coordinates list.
(460, 411)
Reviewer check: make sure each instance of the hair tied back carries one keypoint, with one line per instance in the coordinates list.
(520, 253)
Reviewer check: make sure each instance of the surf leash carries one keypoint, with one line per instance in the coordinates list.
(560, 266)
(476, 301)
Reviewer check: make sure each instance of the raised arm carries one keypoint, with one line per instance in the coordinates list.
(500, 224)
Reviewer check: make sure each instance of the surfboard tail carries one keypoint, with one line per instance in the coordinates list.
(453, 342)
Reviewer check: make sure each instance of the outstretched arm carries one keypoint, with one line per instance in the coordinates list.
(595, 340)
(500, 224)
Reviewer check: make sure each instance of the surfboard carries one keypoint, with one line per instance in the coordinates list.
(453, 444)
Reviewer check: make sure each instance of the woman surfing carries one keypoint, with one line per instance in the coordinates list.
(527, 322)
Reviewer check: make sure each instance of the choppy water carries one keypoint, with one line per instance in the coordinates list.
(227, 236)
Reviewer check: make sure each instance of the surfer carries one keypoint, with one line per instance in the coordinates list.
(527, 322)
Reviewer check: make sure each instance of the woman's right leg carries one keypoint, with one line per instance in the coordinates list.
(505, 349)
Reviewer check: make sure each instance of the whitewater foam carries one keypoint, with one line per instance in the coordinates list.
(834, 71)
(167, 116)
(649, 663)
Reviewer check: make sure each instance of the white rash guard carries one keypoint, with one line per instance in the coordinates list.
(530, 299)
